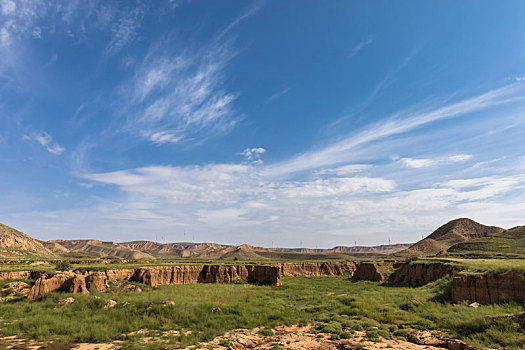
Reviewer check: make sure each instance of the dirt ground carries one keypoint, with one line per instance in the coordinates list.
(291, 338)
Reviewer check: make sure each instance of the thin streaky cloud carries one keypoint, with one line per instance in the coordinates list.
(278, 95)
(338, 153)
(250, 12)
(361, 45)
(46, 141)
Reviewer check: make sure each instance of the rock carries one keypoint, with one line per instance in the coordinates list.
(418, 274)
(66, 301)
(76, 285)
(458, 345)
(216, 310)
(265, 274)
(97, 281)
(110, 303)
(48, 283)
(133, 288)
(474, 305)
(310, 269)
(427, 338)
(371, 271)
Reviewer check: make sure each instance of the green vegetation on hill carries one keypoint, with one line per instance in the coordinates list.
(332, 304)
(508, 244)
(17, 245)
(449, 234)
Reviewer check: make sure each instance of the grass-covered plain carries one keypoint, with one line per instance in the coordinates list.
(334, 304)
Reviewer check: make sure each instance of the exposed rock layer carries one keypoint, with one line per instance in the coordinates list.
(310, 269)
(418, 274)
(155, 276)
(372, 271)
(488, 288)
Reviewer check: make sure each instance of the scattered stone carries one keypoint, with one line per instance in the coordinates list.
(133, 288)
(168, 303)
(474, 305)
(216, 310)
(66, 301)
(110, 303)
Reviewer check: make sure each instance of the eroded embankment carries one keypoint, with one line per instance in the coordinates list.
(420, 273)
(83, 282)
(488, 288)
(154, 276)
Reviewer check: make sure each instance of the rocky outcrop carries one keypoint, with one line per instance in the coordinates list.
(97, 281)
(155, 276)
(49, 283)
(19, 275)
(372, 271)
(310, 269)
(418, 274)
(488, 288)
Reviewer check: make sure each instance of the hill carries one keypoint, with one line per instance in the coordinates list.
(97, 249)
(449, 234)
(508, 244)
(15, 244)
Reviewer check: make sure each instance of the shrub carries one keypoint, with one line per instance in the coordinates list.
(266, 332)
(63, 265)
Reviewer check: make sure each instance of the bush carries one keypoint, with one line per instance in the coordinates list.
(63, 265)
(266, 332)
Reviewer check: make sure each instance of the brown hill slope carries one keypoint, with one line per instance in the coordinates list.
(99, 249)
(15, 244)
(449, 234)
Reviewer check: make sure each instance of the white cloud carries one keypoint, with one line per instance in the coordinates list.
(125, 28)
(165, 137)
(278, 95)
(345, 169)
(45, 140)
(180, 95)
(239, 201)
(361, 45)
(430, 162)
(8, 7)
(5, 37)
(254, 154)
(399, 123)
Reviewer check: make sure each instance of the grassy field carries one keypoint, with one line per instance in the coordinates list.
(334, 304)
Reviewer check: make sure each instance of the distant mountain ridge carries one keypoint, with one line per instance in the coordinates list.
(155, 250)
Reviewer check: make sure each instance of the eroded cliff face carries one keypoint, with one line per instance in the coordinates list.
(310, 269)
(372, 271)
(488, 288)
(418, 274)
(155, 276)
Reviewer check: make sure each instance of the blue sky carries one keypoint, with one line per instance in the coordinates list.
(264, 122)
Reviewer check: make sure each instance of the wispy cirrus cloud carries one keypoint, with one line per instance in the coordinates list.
(399, 123)
(46, 141)
(361, 45)
(175, 98)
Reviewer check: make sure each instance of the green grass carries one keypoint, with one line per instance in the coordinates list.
(386, 311)
(508, 244)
